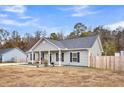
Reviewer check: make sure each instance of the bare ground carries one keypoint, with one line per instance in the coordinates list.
(20, 76)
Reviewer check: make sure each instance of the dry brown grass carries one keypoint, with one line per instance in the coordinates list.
(19, 76)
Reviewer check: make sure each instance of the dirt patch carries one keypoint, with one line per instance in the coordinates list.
(19, 76)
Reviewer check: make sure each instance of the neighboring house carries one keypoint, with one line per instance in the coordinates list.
(12, 55)
(75, 52)
(117, 54)
(121, 53)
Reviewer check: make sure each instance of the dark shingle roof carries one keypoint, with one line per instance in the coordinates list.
(2, 51)
(84, 42)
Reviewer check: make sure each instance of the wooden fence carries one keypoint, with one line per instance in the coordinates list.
(114, 63)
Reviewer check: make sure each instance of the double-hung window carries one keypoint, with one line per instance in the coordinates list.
(57, 57)
(62, 57)
(74, 57)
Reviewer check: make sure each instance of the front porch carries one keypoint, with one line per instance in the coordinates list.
(42, 56)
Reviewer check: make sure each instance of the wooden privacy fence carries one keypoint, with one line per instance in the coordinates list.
(114, 63)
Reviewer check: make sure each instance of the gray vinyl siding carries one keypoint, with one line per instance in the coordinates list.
(96, 49)
(83, 58)
(45, 46)
(14, 55)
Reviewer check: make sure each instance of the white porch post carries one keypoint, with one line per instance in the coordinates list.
(49, 57)
(59, 57)
(40, 56)
(32, 57)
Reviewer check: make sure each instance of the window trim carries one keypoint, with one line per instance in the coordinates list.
(76, 57)
(57, 57)
(34, 56)
(30, 56)
(62, 56)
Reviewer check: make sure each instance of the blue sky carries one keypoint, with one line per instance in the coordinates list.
(58, 18)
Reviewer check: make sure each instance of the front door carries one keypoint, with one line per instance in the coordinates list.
(42, 55)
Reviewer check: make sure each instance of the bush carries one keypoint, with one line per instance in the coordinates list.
(29, 62)
(45, 63)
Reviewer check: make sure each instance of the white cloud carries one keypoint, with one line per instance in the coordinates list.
(115, 25)
(15, 9)
(16, 23)
(80, 14)
(25, 17)
(3, 15)
(79, 11)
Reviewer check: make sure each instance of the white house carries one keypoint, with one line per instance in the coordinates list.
(121, 53)
(75, 52)
(12, 55)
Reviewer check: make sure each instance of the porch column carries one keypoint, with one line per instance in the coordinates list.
(59, 57)
(49, 57)
(32, 57)
(40, 56)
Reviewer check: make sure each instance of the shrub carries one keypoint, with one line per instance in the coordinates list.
(29, 62)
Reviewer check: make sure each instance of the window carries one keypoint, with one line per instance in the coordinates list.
(57, 57)
(0, 58)
(30, 56)
(34, 56)
(74, 57)
(62, 57)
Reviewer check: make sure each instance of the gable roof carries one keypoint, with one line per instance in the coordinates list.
(76, 43)
(3, 51)
(83, 42)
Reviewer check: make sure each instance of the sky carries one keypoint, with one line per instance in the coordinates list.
(59, 18)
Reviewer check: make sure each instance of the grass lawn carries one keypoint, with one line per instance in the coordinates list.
(22, 76)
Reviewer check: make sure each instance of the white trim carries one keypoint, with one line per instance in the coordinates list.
(60, 57)
(35, 45)
(40, 41)
(52, 43)
(32, 57)
(77, 49)
(98, 38)
(49, 57)
(66, 48)
(100, 44)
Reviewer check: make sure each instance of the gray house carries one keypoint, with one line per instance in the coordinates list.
(75, 52)
(12, 55)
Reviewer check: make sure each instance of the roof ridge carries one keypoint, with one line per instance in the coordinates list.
(79, 37)
(74, 38)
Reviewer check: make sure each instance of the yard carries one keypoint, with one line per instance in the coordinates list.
(24, 76)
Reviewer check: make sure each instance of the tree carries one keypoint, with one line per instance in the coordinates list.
(4, 35)
(79, 27)
(53, 36)
(109, 48)
(15, 38)
(85, 34)
(72, 35)
(60, 35)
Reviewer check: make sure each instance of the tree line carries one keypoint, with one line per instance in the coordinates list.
(112, 40)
